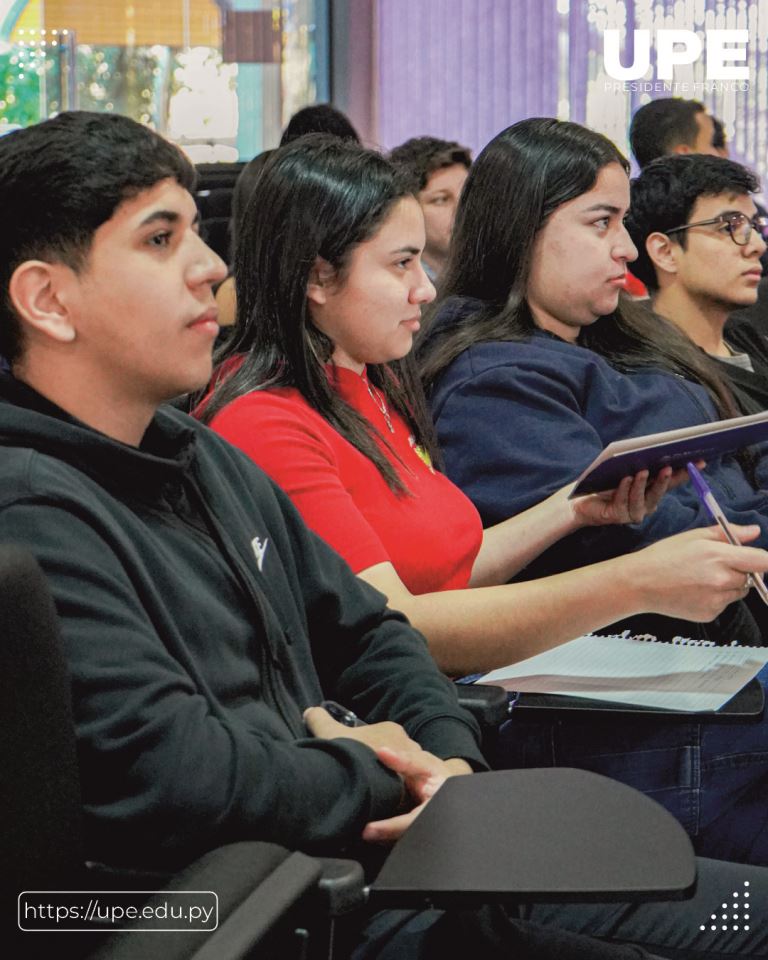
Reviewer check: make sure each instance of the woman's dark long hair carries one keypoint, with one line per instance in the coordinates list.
(243, 190)
(521, 177)
(316, 197)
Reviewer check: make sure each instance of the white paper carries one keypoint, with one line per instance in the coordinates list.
(628, 670)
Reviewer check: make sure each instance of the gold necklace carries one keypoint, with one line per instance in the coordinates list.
(378, 399)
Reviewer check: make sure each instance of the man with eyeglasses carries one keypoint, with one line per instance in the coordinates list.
(699, 239)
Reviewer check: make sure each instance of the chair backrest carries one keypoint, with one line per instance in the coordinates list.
(215, 189)
(40, 804)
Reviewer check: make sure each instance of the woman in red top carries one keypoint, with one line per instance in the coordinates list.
(319, 391)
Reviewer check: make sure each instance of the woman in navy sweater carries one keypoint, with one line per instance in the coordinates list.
(534, 366)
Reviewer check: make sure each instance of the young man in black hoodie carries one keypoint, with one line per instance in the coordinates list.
(202, 621)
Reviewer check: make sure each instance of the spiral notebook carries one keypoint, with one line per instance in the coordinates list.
(682, 675)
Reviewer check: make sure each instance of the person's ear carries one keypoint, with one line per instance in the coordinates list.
(663, 252)
(37, 290)
(321, 276)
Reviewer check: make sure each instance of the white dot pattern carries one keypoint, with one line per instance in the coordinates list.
(736, 907)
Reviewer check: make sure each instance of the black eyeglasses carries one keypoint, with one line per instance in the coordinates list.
(740, 226)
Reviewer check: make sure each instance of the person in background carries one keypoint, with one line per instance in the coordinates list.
(699, 238)
(319, 118)
(719, 138)
(439, 169)
(671, 125)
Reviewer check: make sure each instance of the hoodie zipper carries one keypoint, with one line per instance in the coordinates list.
(272, 663)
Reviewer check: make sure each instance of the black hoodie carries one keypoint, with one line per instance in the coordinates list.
(200, 617)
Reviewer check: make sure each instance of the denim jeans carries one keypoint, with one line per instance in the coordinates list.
(710, 774)
(587, 931)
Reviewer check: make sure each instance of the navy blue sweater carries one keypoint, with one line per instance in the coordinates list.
(517, 420)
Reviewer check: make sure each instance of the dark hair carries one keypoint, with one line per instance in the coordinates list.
(517, 182)
(665, 193)
(243, 189)
(521, 177)
(63, 178)
(634, 337)
(317, 197)
(421, 156)
(719, 140)
(319, 118)
(661, 125)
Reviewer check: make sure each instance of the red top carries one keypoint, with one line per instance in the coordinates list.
(634, 287)
(431, 536)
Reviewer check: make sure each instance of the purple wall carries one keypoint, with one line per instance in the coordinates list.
(464, 69)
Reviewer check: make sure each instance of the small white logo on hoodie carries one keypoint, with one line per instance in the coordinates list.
(259, 549)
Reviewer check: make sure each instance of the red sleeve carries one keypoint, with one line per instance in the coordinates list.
(288, 441)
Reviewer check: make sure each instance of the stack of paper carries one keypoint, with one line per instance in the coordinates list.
(630, 670)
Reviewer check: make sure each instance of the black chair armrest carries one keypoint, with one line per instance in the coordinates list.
(258, 886)
(487, 703)
(341, 887)
(520, 835)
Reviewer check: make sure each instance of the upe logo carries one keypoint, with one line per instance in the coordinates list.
(675, 48)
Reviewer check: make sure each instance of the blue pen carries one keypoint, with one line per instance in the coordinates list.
(708, 499)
